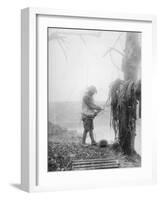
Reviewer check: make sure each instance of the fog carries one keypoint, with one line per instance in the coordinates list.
(79, 58)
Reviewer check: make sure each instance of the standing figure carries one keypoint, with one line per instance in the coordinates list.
(89, 112)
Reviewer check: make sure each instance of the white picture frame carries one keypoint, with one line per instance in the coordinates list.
(33, 175)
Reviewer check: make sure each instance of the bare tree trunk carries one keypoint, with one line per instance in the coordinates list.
(131, 70)
(132, 57)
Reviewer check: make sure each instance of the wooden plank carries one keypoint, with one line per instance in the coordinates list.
(96, 167)
(95, 164)
(94, 160)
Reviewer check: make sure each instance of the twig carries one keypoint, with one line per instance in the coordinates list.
(83, 40)
(113, 46)
(64, 52)
(113, 62)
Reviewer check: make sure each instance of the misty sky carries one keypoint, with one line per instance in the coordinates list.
(76, 60)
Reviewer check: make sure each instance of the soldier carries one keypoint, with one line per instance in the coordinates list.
(89, 112)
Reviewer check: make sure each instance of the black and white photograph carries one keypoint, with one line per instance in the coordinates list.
(94, 99)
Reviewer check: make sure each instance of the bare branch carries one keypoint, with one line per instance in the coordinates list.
(113, 46)
(114, 62)
(61, 46)
(117, 39)
(113, 49)
(83, 40)
(121, 53)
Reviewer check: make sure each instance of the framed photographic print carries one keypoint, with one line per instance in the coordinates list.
(86, 114)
